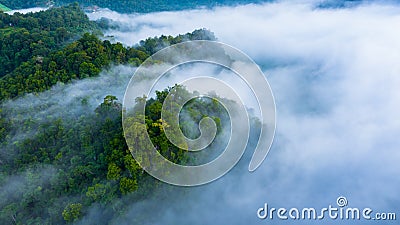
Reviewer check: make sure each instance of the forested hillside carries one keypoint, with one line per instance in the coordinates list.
(53, 170)
(35, 54)
(39, 70)
(70, 164)
(23, 36)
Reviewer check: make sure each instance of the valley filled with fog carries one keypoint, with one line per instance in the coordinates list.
(334, 73)
(335, 76)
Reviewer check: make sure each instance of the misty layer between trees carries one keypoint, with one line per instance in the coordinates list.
(56, 163)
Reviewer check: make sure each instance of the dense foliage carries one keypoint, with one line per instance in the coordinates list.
(34, 53)
(70, 164)
(53, 171)
(83, 58)
(23, 36)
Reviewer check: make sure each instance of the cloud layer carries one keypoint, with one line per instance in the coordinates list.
(335, 74)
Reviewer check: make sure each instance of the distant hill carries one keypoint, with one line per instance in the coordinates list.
(23, 4)
(4, 8)
(131, 6)
(146, 6)
(339, 3)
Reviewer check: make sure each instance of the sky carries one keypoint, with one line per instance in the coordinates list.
(335, 74)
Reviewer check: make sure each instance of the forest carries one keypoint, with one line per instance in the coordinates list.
(37, 51)
(52, 171)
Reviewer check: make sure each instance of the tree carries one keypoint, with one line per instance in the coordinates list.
(114, 172)
(72, 212)
(96, 192)
(88, 70)
(127, 185)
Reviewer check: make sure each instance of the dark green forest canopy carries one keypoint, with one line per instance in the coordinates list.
(37, 49)
(83, 58)
(54, 171)
(23, 36)
(130, 6)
